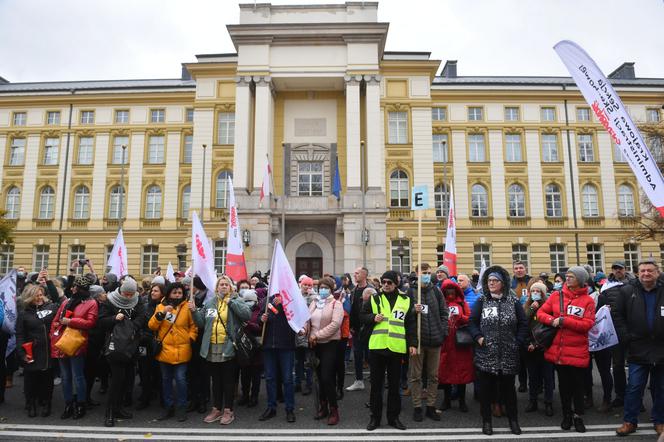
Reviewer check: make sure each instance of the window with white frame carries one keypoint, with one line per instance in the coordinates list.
(150, 259)
(20, 119)
(440, 148)
(558, 257)
(476, 149)
(475, 113)
(656, 147)
(626, 206)
(46, 203)
(221, 199)
(517, 201)
(397, 123)
(53, 118)
(582, 114)
(157, 115)
(512, 113)
(520, 253)
(548, 114)
(187, 152)
(586, 152)
(618, 155)
(481, 252)
(595, 256)
(652, 115)
(554, 202)
(226, 128)
(400, 252)
(189, 115)
(116, 201)
(550, 148)
(122, 116)
(186, 200)
(661, 253)
(6, 258)
(441, 198)
(17, 152)
(220, 256)
(399, 189)
(513, 148)
(85, 150)
(310, 178)
(440, 254)
(156, 149)
(109, 250)
(77, 253)
(13, 203)
(590, 201)
(40, 258)
(153, 202)
(631, 253)
(479, 200)
(438, 113)
(82, 203)
(87, 117)
(118, 142)
(51, 146)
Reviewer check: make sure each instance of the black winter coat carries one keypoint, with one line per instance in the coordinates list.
(108, 312)
(33, 325)
(435, 321)
(278, 333)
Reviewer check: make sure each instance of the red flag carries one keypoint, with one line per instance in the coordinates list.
(265, 188)
(450, 255)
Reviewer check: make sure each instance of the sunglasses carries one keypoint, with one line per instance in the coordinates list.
(387, 282)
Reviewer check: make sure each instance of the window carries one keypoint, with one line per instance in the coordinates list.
(441, 197)
(656, 148)
(586, 153)
(310, 178)
(401, 255)
(13, 203)
(77, 252)
(85, 150)
(548, 114)
(438, 113)
(582, 114)
(220, 256)
(116, 202)
(122, 116)
(189, 115)
(82, 203)
(481, 252)
(594, 255)
(554, 203)
(512, 114)
(156, 149)
(20, 118)
(186, 199)
(652, 115)
(222, 185)
(153, 202)
(590, 201)
(399, 189)
(109, 250)
(87, 117)
(476, 151)
(631, 257)
(475, 114)
(517, 201)
(157, 115)
(118, 142)
(440, 254)
(51, 151)
(558, 258)
(661, 253)
(40, 259)
(625, 201)
(53, 118)
(186, 154)
(479, 201)
(397, 123)
(6, 258)
(150, 259)
(550, 148)
(46, 203)
(226, 128)
(520, 253)
(17, 152)
(513, 148)
(618, 156)
(440, 148)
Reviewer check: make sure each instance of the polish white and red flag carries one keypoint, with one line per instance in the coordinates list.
(117, 260)
(267, 176)
(235, 265)
(450, 255)
(612, 114)
(284, 285)
(202, 257)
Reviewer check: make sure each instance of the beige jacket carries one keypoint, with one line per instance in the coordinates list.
(330, 323)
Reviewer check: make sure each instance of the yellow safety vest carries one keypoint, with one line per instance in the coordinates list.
(390, 333)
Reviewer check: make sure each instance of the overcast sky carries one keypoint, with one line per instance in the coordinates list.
(47, 40)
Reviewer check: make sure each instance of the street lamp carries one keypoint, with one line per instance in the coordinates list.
(365, 236)
(401, 251)
(203, 181)
(246, 237)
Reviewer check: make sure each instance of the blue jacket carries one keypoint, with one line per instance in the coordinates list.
(471, 296)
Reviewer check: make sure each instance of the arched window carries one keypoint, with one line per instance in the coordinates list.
(554, 203)
(46, 203)
(441, 197)
(13, 203)
(590, 201)
(517, 201)
(153, 202)
(186, 200)
(222, 186)
(82, 203)
(399, 189)
(117, 199)
(625, 201)
(479, 201)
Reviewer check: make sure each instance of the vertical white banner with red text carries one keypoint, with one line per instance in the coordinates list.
(235, 265)
(450, 255)
(117, 260)
(202, 256)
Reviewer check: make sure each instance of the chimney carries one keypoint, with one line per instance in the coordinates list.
(185, 73)
(3, 81)
(450, 69)
(624, 72)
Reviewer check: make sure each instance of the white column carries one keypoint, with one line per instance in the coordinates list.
(609, 191)
(30, 178)
(422, 149)
(171, 188)
(135, 187)
(62, 155)
(536, 193)
(98, 191)
(203, 134)
(264, 128)
(353, 171)
(495, 151)
(243, 107)
(460, 174)
(4, 144)
(571, 179)
(374, 128)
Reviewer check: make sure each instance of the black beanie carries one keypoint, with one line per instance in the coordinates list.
(391, 275)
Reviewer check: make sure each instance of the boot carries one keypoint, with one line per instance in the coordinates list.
(181, 414)
(193, 406)
(323, 411)
(566, 424)
(447, 402)
(431, 413)
(340, 393)
(514, 426)
(122, 414)
(333, 419)
(69, 411)
(532, 406)
(463, 407)
(109, 419)
(548, 409)
(167, 414)
(417, 414)
(46, 409)
(579, 425)
(79, 410)
(32, 408)
(487, 428)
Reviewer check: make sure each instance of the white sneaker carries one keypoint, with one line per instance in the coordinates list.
(357, 385)
(57, 381)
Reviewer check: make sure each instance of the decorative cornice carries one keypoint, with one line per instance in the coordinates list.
(396, 107)
(226, 107)
(514, 130)
(243, 80)
(550, 130)
(439, 130)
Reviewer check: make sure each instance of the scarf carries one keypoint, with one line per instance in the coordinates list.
(496, 295)
(76, 299)
(122, 302)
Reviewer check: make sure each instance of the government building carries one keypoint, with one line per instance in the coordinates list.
(312, 89)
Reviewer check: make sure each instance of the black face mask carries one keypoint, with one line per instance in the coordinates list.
(174, 302)
(475, 278)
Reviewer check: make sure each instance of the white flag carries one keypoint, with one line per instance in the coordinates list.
(611, 113)
(170, 273)
(603, 334)
(482, 270)
(202, 261)
(450, 253)
(117, 261)
(265, 188)
(235, 265)
(283, 283)
(8, 299)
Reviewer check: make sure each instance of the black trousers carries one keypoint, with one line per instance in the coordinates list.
(500, 384)
(148, 372)
(198, 379)
(4, 340)
(38, 385)
(224, 377)
(341, 363)
(619, 377)
(250, 377)
(95, 364)
(379, 363)
(122, 379)
(603, 361)
(571, 383)
(326, 370)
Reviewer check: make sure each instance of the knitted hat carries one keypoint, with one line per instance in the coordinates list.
(539, 286)
(82, 283)
(96, 290)
(580, 274)
(306, 280)
(198, 283)
(159, 280)
(443, 268)
(186, 281)
(130, 286)
(326, 280)
(392, 276)
(249, 295)
(588, 269)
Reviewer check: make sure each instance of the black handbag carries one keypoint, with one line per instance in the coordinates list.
(121, 343)
(463, 338)
(542, 335)
(245, 345)
(156, 344)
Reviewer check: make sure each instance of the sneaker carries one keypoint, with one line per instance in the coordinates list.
(213, 416)
(228, 417)
(357, 385)
(57, 381)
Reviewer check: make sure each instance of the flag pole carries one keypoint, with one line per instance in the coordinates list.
(267, 297)
(419, 278)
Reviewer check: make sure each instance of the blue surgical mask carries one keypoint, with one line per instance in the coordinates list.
(557, 285)
(426, 278)
(324, 293)
(536, 297)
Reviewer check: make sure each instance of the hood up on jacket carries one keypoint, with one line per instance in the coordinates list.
(505, 277)
(449, 284)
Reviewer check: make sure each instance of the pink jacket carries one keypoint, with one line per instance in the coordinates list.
(330, 322)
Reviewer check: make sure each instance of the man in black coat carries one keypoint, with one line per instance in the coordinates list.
(360, 339)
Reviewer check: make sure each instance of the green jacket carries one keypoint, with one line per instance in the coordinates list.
(238, 312)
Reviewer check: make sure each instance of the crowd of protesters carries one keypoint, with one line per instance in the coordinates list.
(181, 340)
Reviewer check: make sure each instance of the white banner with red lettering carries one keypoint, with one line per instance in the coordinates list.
(612, 114)
(450, 255)
(283, 284)
(265, 188)
(117, 260)
(235, 265)
(202, 256)
(170, 273)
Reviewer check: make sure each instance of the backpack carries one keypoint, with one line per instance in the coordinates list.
(121, 343)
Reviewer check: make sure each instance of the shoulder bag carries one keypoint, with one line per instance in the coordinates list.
(543, 334)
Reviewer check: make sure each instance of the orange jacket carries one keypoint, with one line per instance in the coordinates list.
(176, 343)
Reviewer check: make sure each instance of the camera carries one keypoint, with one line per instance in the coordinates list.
(83, 261)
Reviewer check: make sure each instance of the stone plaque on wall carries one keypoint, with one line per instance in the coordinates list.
(310, 127)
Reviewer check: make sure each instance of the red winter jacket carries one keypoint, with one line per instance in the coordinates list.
(84, 318)
(456, 363)
(570, 346)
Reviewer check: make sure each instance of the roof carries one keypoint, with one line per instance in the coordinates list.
(56, 86)
(536, 81)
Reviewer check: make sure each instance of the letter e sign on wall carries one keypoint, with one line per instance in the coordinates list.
(420, 198)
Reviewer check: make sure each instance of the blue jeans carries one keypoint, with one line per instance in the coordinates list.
(636, 384)
(72, 372)
(179, 373)
(360, 354)
(279, 361)
(302, 372)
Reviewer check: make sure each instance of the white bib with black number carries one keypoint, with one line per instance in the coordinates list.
(454, 310)
(490, 312)
(211, 313)
(170, 317)
(575, 310)
(399, 315)
(41, 314)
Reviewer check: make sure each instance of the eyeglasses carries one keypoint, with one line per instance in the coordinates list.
(494, 281)
(387, 282)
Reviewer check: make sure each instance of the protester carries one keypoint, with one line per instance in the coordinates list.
(303, 372)
(198, 379)
(343, 296)
(469, 293)
(442, 273)
(148, 366)
(96, 365)
(360, 349)
(250, 374)
(519, 285)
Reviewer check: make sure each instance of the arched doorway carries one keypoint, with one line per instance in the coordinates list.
(309, 260)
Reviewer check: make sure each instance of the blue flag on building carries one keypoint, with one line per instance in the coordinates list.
(336, 183)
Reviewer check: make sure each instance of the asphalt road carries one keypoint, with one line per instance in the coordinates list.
(454, 425)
